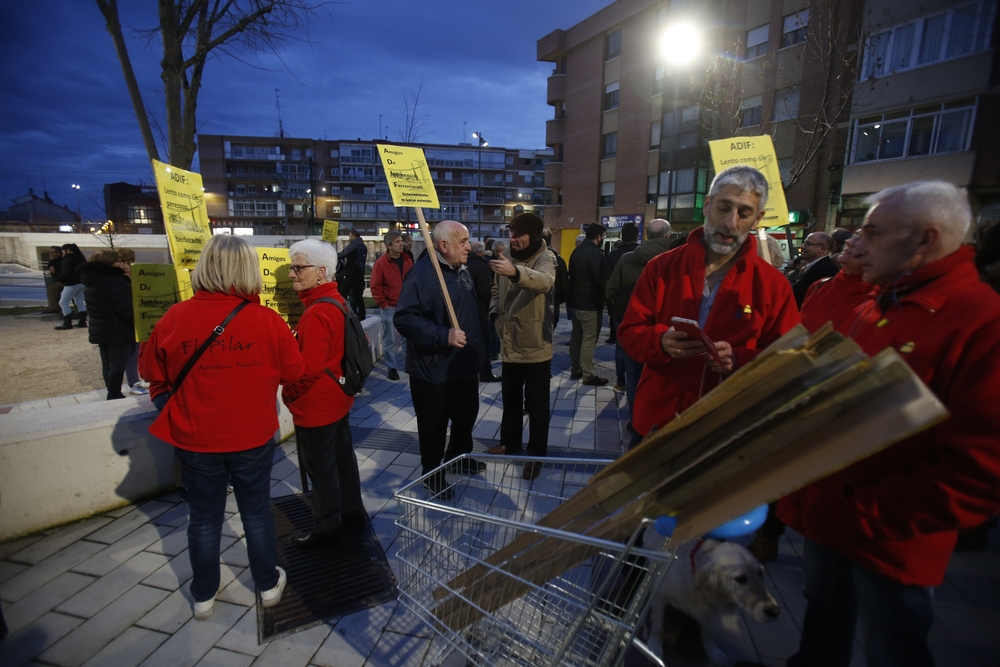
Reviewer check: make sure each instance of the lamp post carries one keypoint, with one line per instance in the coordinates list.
(78, 213)
(479, 187)
(680, 44)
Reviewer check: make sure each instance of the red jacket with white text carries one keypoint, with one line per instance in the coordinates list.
(897, 512)
(753, 307)
(229, 400)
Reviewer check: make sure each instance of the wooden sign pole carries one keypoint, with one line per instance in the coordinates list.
(432, 256)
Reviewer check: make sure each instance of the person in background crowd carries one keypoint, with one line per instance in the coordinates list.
(774, 251)
(817, 264)
(408, 245)
(879, 533)
(561, 293)
(716, 279)
(112, 325)
(580, 239)
(840, 236)
(320, 408)
(388, 273)
(442, 361)
(53, 288)
(219, 442)
(522, 310)
(499, 248)
(586, 277)
(628, 242)
(482, 279)
(351, 273)
(126, 258)
(69, 277)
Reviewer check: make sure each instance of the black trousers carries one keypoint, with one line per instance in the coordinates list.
(114, 359)
(528, 385)
(352, 288)
(437, 404)
(486, 369)
(328, 457)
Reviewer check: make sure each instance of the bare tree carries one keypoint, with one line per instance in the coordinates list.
(191, 32)
(412, 124)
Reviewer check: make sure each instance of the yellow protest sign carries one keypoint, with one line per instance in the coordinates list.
(278, 294)
(409, 178)
(755, 152)
(156, 287)
(330, 230)
(185, 215)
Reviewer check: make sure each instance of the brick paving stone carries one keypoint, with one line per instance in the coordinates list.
(172, 543)
(242, 637)
(44, 599)
(174, 611)
(196, 638)
(20, 647)
(218, 657)
(177, 516)
(294, 650)
(121, 527)
(353, 638)
(172, 575)
(398, 650)
(128, 649)
(60, 539)
(105, 590)
(117, 553)
(8, 549)
(9, 569)
(240, 590)
(236, 555)
(119, 512)
(36, 576)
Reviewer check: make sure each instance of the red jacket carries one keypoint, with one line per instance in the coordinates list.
(834, 300)
(753, 307)
(228, 401)
(317, 399)
(387, 279)
(897, 512)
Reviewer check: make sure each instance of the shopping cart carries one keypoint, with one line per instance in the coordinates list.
(566, 599)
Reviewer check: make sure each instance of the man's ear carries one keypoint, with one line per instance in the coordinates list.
(928, 240)
(760, 216)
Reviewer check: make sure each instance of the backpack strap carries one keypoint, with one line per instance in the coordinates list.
(216, 332)
(343, 310)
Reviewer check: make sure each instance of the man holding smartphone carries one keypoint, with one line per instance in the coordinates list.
(717, 280)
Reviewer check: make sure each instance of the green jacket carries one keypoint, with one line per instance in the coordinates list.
(523, 309)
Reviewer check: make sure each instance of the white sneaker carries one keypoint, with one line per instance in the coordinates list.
(138, 390)
(203, 610)
(273, 596)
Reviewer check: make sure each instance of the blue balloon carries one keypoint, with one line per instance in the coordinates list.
(738, 527)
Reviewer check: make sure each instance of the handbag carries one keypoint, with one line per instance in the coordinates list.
(216, 332)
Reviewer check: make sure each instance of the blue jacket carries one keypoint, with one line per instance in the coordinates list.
(422, 319)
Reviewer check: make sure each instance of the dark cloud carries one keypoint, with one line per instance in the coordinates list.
(68, 118)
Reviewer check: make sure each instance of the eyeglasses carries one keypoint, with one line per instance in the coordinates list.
(297, 268)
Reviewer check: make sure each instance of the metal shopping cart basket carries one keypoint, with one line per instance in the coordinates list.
(544, 611)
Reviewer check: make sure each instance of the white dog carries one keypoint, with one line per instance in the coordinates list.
(710, 581)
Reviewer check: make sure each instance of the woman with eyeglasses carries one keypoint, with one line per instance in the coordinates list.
(221, 416)
(320, 408)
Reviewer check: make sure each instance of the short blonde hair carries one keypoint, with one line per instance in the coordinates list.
(228, 264)
(104, 257)
(126, 254)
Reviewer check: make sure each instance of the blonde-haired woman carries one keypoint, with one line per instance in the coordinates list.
(221, 414)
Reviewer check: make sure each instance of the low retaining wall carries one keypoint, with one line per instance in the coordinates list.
(70, 457)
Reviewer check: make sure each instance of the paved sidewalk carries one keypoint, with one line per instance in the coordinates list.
(112, 590)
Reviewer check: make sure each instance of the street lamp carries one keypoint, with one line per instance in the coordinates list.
(680, 44)
(78, 214)
(479, 188)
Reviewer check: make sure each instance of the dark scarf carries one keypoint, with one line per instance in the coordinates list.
(529, 252)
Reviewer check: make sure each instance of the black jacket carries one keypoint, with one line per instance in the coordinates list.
(616, 254)
(587, 277)
(353, 259)
(422, 319)
(482, 279)
(70, 272)
(824, 267)
(109, 304)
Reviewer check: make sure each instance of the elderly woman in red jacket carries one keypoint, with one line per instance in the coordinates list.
(319, 406)
(222, 415)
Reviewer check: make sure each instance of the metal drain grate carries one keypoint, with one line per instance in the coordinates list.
(323, 583)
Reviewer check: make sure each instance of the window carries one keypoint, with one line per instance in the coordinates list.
(654, 133)
(794, 30)
(527, 179)
(611, 96)
(613, 45)
(296, 154)
(785, 168)
(510, 178)
(608, 194)
(951, 34)
(658, 79)
(750, 111)
(938, 128)
(334, 152)
(786, 103)
(757, 41)
(498, 178)
(610, 145)
(510, 159)
(651, 190)
(447, 175)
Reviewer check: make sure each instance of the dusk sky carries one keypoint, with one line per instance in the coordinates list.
(67, 117)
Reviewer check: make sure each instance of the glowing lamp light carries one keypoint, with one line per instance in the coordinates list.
(680, 43)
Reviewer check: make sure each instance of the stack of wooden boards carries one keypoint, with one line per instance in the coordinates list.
(809, 405)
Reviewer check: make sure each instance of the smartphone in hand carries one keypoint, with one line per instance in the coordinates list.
(691, 328)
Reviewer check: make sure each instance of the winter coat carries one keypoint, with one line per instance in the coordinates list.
(753, 307)
(482, 280)
(824, 267)
(387, 279)
(525, 309)
(422, 319)
(70, 272)
(227, 403)
(353, 258)
(586, 277)
(611, 261)
(897, 512)
(833, 300)
(627, 270)
(108, 293)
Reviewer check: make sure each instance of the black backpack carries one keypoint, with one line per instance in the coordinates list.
(357, 362)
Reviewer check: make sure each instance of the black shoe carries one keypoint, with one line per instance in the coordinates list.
(438, 488)
(575, 376)
(490, 378)
(393, 374)
(313, 540)
(467, 467)
(82, 323)
(595, 381)
(67, 323)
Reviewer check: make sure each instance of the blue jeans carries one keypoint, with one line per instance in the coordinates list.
(895, 618)
(206, 477)
(392, 360)
(633, 371)
(72, 293)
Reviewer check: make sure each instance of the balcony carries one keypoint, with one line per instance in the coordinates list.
(552, 47)
(555, 132)
(557, 89)
(363, 196)
(553, 175)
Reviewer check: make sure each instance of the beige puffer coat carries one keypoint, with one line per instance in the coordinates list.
(524, 309)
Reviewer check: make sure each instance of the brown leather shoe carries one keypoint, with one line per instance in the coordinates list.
(531, 470)
(497, 449)
(764, 548)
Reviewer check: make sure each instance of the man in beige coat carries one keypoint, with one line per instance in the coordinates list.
(522, 309)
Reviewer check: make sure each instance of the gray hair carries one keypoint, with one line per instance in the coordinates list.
(392, 236)
(927, 202)
(657, 229)
(478, 247)
(318, 253)
(581, 238)
(747, 179)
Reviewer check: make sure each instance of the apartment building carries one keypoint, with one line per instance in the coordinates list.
(282, 185)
